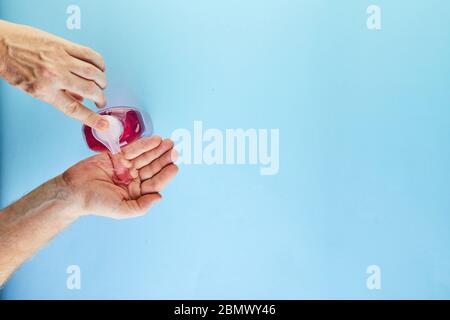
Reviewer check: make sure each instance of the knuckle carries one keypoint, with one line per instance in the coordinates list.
(92, 118)
(54, 51)
(71, 108)
(90, 88)
(54, 45)
(89, 71)
(46, 72)
(86, 51)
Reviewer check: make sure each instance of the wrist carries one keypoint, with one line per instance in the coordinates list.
(68, 198)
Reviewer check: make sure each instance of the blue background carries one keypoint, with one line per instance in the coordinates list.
(364, 125)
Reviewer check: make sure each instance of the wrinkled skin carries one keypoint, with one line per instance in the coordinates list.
(53, 70)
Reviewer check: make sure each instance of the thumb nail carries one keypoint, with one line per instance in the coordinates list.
(102, 124)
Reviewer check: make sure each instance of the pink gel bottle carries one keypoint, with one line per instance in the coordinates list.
(129, 124)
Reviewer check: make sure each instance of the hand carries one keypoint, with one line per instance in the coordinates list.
(53, 70)
(98, 185)
(121, 186)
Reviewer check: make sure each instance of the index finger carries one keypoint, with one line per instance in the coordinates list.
(86, 54)
(73, 108)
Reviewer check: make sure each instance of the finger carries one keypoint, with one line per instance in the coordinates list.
(159, 181)
(84, 88)
(140, 206)
(86, 54)
(73, 108)
(141, 146)
(134, 189)
(79, 98)
(88, 71)
(133, 172)
(158, 164)
(153, 154)
(146, 201)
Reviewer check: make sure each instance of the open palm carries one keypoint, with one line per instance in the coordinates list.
(127, 184)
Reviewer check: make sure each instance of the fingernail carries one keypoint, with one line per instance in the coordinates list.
(102, 124)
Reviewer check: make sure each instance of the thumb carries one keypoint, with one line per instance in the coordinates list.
(146, 201)
(138, 207)
(72, 107)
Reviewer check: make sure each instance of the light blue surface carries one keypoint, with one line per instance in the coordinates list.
(364, 174)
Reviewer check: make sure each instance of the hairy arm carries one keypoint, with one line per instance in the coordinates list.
(31, 222)
(92, 186)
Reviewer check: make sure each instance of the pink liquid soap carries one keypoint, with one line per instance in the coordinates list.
(122, 176)
(126, 126)
(133, 124)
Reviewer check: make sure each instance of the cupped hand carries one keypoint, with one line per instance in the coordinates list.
(54, 70)
(124, 185)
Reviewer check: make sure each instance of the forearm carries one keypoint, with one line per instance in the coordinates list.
(31, 222)
(3, 47)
